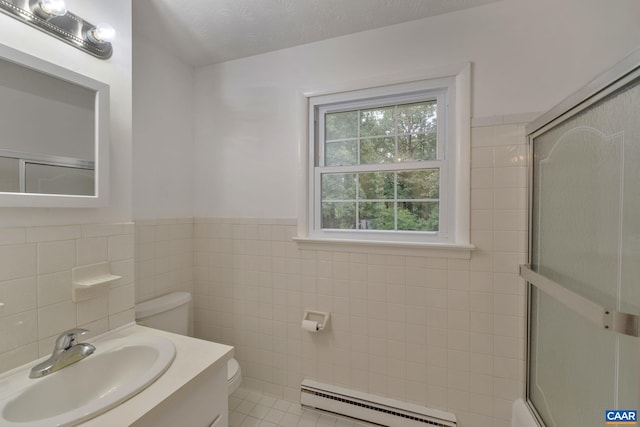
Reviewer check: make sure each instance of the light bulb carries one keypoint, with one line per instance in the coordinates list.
(53, 7)
(101, 33)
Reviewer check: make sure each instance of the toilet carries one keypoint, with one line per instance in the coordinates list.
(171, 313)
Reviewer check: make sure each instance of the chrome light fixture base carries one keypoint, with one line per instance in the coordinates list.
(69, 27)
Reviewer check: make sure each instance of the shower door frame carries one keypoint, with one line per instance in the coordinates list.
(621, 74)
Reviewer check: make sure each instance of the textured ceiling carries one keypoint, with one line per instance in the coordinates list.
(211, 31)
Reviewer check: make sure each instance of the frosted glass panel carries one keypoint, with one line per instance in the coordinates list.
(586, 237)
(572, 366)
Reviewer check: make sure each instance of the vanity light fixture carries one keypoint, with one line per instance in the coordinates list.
(53, 18)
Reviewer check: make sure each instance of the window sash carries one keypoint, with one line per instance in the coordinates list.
(443, 196)
(395, 201)
(442, 90)
(438, 95)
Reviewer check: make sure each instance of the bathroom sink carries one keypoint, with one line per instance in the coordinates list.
(119, 369)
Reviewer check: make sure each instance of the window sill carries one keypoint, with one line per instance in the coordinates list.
(436, 250)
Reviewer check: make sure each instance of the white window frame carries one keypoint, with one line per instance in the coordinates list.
(451, 87)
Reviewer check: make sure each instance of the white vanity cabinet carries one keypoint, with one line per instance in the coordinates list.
(191, 393)
(200, 403)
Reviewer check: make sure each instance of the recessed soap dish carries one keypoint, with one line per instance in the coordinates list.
(88, 280)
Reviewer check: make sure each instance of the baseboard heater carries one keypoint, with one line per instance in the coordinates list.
(370, 408)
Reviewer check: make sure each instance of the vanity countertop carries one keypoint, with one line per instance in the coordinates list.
(193, 357)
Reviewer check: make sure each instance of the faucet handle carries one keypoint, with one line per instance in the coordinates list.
(67, 339)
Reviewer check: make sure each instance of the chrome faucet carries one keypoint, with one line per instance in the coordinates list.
(65, 352)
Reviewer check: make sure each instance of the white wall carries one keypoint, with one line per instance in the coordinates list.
(162, 132)
(527, 56)
(116, 72)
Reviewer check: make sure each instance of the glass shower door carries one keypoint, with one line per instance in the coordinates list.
(584, 273)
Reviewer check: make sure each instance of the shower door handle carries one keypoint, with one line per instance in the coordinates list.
(603, 317)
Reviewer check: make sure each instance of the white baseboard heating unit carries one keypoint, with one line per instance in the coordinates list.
(370, 408)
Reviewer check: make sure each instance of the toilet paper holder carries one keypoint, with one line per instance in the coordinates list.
(320, 318)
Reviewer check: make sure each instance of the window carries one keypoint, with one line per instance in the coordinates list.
(382, 165)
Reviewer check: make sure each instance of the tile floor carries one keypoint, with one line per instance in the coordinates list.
(249, 408)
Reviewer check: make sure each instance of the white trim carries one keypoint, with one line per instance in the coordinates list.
(440, 90)
(436, 72)
(457, 79)
(435, 250)
(303, 165)
(462, 157)
(101, 137)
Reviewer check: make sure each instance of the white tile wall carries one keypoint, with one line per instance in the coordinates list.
(164, 251)
(35, 285)
(441, 332)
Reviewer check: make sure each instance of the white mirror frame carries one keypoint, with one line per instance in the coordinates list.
(101, 140)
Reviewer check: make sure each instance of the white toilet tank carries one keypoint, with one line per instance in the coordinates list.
(169, 313)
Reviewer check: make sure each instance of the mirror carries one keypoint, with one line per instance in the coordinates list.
(54, 136)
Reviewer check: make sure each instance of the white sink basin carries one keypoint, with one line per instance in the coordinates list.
(119, 369)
